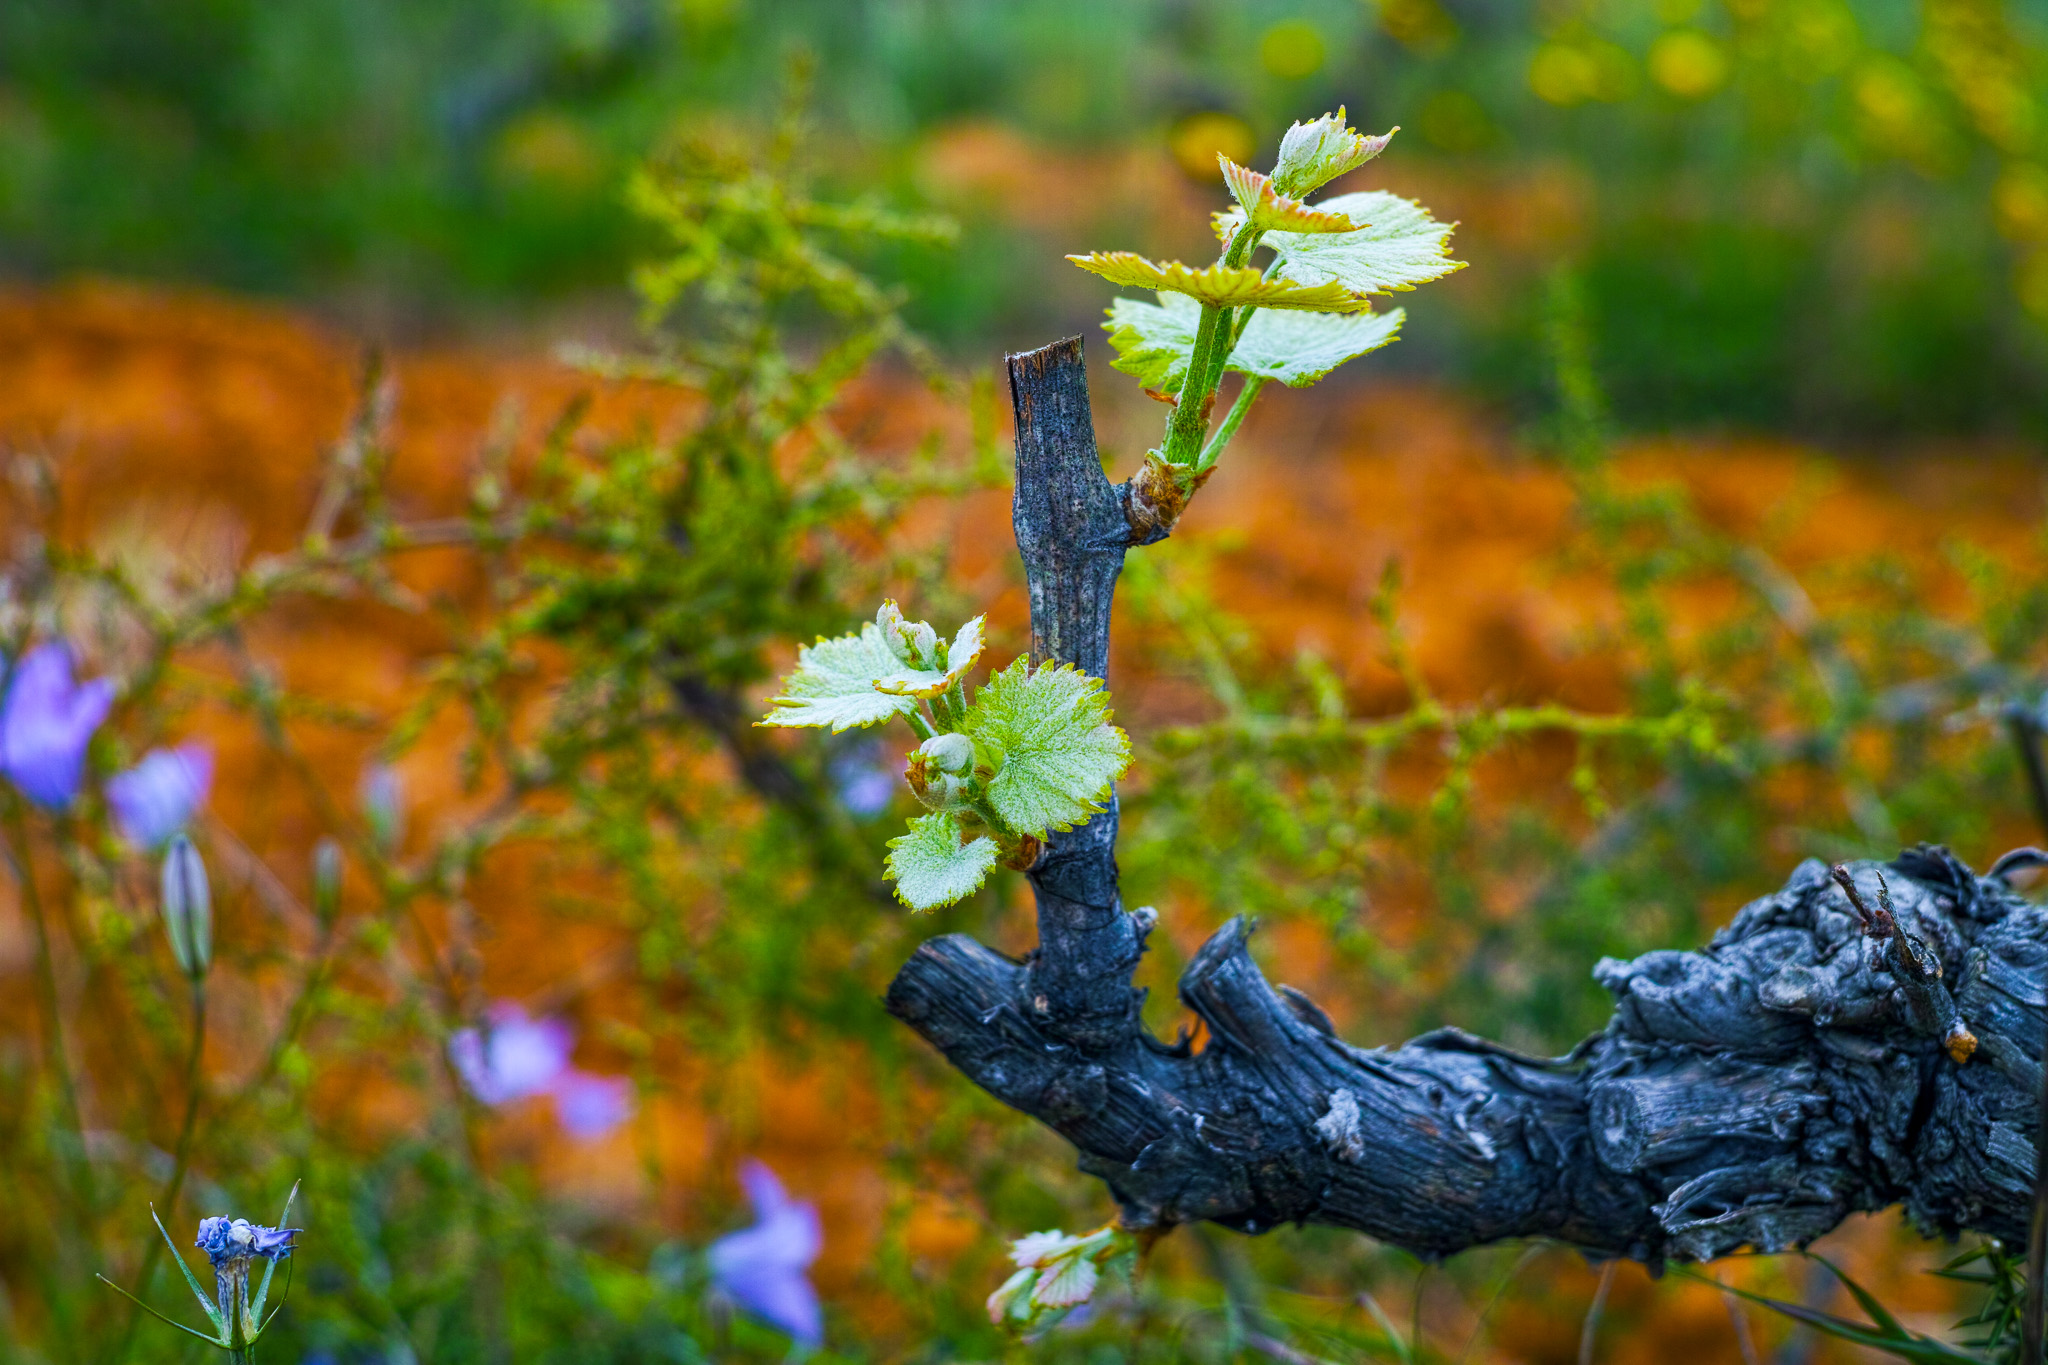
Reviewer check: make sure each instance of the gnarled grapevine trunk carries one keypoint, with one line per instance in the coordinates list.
(1751, 1093)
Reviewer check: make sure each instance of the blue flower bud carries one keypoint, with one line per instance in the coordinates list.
(326, 880)
(188, 909)
(384, 805)
(158, 797)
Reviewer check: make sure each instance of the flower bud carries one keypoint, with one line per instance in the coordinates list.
(188, 908)
(383, 805)
(326, 880)
(949, 753)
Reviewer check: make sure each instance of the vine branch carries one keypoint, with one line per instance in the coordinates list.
(1754, 1092)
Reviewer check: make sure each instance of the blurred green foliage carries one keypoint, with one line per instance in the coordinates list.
(1832, 213)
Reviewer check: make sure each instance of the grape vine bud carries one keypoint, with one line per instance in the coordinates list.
(923, 643)
(949, 753)
(187, 908)
(1319, 151)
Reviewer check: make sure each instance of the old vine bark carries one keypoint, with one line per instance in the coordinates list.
(1754, 1092)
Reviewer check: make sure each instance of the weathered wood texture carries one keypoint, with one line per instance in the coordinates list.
(1754, 1092)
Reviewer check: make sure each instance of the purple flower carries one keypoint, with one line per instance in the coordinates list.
(865, 779)
(225, 1240)
(589, 1106)
(46, 723)
(761, 1268)
(516, 1057)
(513, 1057)
(157, 798)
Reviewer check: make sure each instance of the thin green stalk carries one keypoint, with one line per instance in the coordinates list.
(1246, 396)
(46, 983)
(181, 1159)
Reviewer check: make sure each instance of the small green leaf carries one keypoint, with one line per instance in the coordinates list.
(834, 684)
(932, 867)
(1154, 341)
(1013, 1297)
(1059, 751)
(1220, 285)
(1401, 247)
(1314, 153)
(1066, 1283)
(1269, 208)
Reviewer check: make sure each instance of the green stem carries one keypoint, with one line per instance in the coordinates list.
(1231, 420)
(1214, 337)
(46, 982)
(181, 1158)
(1189, 422)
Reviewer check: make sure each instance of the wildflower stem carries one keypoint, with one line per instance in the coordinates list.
(181, 1157)
(46, 985)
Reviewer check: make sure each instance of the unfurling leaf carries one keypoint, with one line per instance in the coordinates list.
(1401, 246)
(1058, 1272)
(1314, 153)
(932, 866)
(1058, 751)
(834, 684)
(866, 678)
(1154, 341)
(1222, 285)
(958, 657)
(1269, 208)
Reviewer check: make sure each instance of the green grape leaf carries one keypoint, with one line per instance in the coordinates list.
(932, 867)
(1058, 752)
(1314, 153)
(1154, 340)
(834, 684)
(960, 657)
(1402, 246)
(1219, 284)
(1299, 348)
(1269, 208)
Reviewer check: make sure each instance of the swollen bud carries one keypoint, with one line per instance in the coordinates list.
(383, 805)
(1313, 153)
(949, 753)
(188, 908)
(326, 880)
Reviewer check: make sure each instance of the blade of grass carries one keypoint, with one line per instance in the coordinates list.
(1590, 1332)
(188, 1331)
